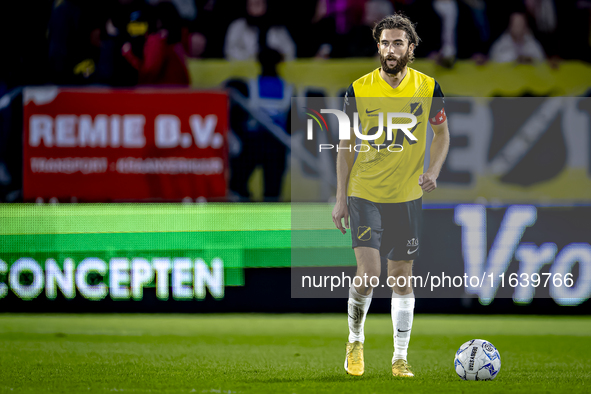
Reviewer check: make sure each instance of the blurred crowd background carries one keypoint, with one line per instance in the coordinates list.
(131, 42)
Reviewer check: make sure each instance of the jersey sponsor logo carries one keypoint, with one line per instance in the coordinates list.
(412, 251)
(364, 233)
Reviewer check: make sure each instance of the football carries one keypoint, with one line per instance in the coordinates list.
(477, 359)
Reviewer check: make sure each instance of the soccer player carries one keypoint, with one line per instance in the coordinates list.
(380, 191)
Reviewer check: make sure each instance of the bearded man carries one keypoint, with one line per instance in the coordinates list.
(380, 188)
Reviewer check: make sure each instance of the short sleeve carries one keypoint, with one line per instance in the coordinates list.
(437, 114)
(438, 100)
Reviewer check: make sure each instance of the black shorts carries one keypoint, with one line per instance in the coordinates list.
(391, 228)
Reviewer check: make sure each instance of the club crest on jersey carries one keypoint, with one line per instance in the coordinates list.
(364, 233)
(416, 109)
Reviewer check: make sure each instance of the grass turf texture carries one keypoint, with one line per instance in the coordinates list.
(281, 354)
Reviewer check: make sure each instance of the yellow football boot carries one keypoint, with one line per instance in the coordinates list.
(354, 364)
(401, 368)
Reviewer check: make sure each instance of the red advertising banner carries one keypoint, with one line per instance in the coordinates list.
(102, 145)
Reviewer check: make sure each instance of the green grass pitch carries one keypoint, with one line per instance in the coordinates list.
(281, 354)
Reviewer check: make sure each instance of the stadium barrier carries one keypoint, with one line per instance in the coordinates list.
(331, 78)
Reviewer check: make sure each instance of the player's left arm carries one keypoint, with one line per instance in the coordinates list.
(438, 153)
(440, 144)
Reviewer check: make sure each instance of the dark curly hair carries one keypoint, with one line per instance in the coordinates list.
(397, 21)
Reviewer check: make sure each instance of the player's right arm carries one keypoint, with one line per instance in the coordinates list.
(345, 159)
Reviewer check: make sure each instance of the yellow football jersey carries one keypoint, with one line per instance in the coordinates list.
(386, 170)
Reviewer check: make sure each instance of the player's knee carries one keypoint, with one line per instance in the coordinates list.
(400, 268)
(399, 272)
(369, 272)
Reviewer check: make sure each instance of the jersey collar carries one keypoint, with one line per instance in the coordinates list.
(387, 88)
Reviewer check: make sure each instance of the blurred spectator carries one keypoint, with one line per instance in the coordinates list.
(314, 32)
(73, 34)
(517, 44)
(194, 42)
(163, 60)
(207, 32)
(576, 31)
(128, 21)
(346, 14)
(544, 14)
(197, 45)
(187, 9)
(447, 10)
(23, 43)
(270, 95)
(478, 43)
(246, 37)
(334, 25)
(543, 20)
(360, 38)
